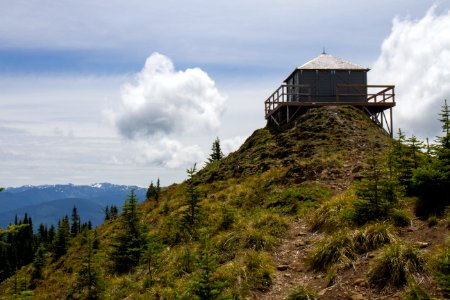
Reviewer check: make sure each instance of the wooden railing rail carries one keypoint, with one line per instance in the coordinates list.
(302, 93)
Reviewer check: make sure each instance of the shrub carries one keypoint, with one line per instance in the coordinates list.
(395, 265)
(373, 236)
(400, 217)
(432, 221)
(329, 215)
(337, 248)
(302, 293)
(441, 265)
(416, 292)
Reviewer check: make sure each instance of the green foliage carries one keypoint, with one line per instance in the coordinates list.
(373, 236)
(217, 153)
(191, 214)
(153, 191)
(228, 217)
(377, 194)
(395, 265)
(344, 245)
(399, 217)
(432, 221)
(332, 214)
(130, 241)
(416, 292)
(152, 254)
(302, 293)
(258, 267)
(431, 182)
(75, 226)
(38, 263)
(62, 238)
(89, 284)
(292, 200)
(205, 285)
(441, 264)
(336, 248)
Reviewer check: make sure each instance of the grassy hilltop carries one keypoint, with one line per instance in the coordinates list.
(290, 215)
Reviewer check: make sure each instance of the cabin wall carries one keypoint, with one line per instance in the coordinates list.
(323, 84)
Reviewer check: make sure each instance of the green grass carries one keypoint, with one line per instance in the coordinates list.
(302, 293)
(343, 246)
(441, 264)
(396, 265)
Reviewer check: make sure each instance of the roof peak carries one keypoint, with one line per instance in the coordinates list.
(327, 61)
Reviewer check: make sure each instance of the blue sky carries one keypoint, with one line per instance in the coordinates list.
(78, 83)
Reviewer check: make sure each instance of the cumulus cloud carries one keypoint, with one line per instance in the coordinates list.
(168, 153)
(165, 101)
(416, 58)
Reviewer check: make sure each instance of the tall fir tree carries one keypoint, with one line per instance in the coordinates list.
(75, 226)
(216, 153)
(191, 216)
(62, 237)
(130, 240)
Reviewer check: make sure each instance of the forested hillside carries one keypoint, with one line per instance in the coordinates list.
(330, 208)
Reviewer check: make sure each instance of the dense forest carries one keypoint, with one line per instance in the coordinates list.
(330, 207)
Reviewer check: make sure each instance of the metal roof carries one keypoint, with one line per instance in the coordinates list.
(330, 62)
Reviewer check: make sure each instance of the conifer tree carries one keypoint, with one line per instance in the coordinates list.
(61, 238)
(151, 191)
(153, 251)
(130, 241)
(158, 189)
(38, 263)
(432, 181)
(217, 153)
(204, 285)
(89, 284)
(75, 227)
(191, 215)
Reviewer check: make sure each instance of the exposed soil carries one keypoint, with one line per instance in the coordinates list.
(351, 282)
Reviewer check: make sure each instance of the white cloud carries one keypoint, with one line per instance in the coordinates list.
(165, 101)
(168, 153)
(416, 58)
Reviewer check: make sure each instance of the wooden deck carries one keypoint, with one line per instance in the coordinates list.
(288, 101)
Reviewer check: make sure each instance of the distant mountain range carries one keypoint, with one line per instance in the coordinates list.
(48, 203)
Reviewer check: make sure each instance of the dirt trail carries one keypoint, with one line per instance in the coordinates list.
(350, 283)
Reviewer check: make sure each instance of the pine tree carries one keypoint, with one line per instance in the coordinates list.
(151, 191)
(204, 285)
(415, 146)
(192, 213)
(431, 182)
(377, 192)
(130, 241)
(61, 238)
(38, 263)
(75, 227)
(217, 153)
(158, 189)
(89, 284)
(152, 253)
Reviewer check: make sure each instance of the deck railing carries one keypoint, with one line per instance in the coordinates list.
(345, 93)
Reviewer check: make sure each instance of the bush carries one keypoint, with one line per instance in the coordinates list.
(416, 292)
(395, 265)
(330, 215)
(257, 266)
(337, 248)
(441, 265)
(372, 237)
(302, 293)
(432, 221)
(399, 217)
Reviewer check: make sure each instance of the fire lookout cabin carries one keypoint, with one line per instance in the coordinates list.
(329, 81)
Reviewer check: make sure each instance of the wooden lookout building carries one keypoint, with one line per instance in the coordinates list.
(329, 80)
